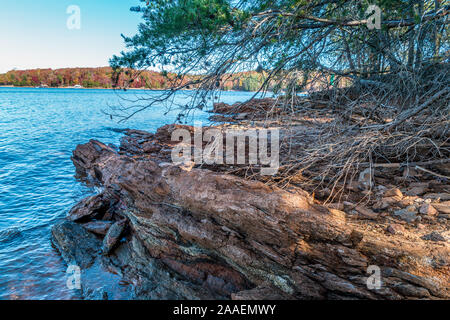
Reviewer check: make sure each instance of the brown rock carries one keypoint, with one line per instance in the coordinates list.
(98, 227)
(90, 207)
(409, 214)
(443, 207)
(395, 192)
(381, 204)
(209, 228)
(389, 201)
(406, 202)
(112, 237)
(366, 212)
(438, 196)
(395, 229)
(428, 210)
(416, 191)
(419, 184)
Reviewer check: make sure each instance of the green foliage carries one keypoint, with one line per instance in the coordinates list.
(286, 38)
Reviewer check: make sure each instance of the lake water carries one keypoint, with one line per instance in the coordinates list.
(39, 128)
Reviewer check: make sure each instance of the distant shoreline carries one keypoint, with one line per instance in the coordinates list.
(106, 77)
(83, 88)
(101, 88)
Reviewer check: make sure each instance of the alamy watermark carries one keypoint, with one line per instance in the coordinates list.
(73, 277)
(374, 17)
(374, 280)
(74, 20)
(229, 147)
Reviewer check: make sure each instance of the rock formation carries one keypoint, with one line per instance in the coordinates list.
(191, 233)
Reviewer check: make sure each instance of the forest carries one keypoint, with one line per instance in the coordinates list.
(106, 77)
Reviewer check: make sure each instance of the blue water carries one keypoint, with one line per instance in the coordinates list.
(39, 128)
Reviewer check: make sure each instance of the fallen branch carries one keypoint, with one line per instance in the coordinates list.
(432, 173)
(404, 164)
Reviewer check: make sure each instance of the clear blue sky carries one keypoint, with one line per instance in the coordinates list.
(34, 33)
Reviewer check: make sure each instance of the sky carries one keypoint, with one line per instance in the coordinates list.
(35, 34)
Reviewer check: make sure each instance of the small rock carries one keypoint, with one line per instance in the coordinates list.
(387, 202)
(416, 191)
(438, 196)
(366, 212)
(409, 214)
(98, 227)
(419, 184)
(410, 290)
(381, 205)
(395, 229)
(428, 210)
(395, 192)
(443, 207)
(392, 200)
(434, 236)
(113, 237)
(406, 202)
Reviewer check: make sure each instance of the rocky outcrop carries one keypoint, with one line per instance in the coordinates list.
(191, 233)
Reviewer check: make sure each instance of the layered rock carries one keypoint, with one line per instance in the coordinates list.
(192, 233)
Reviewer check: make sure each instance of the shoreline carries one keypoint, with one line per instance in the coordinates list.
(174, 224)
(83, 88)
(118, 89)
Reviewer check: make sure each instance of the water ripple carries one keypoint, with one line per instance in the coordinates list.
(39, 128)
(9, 233)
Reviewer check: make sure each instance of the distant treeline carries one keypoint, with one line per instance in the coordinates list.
(105, 77)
